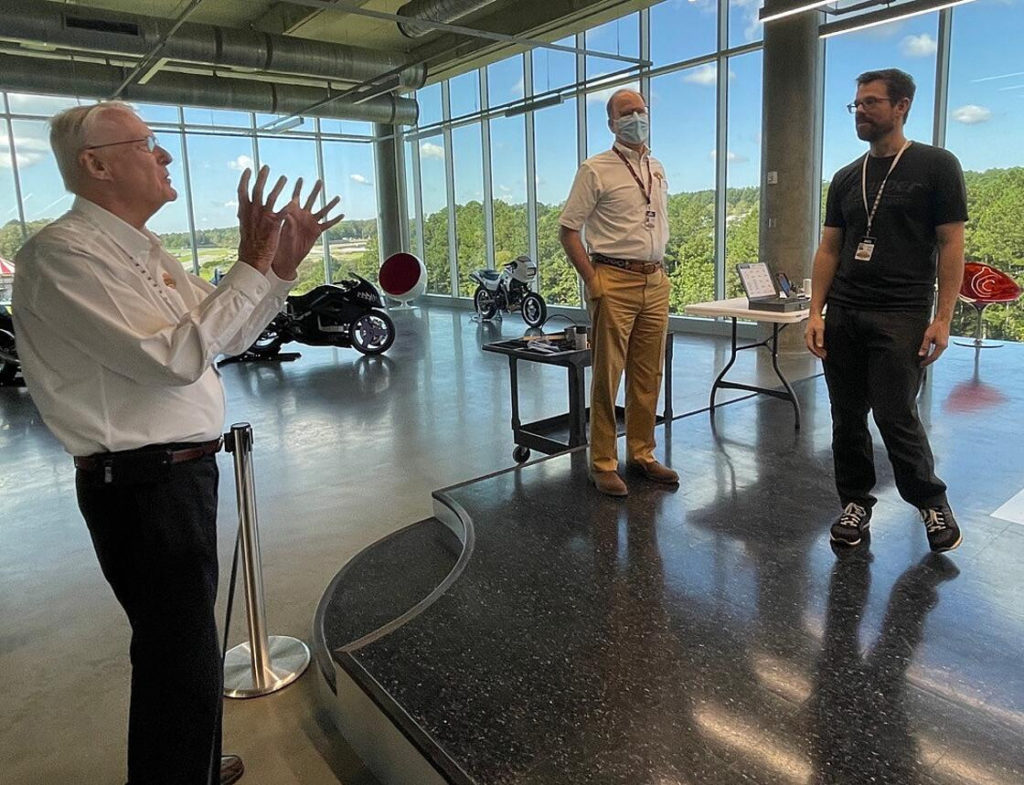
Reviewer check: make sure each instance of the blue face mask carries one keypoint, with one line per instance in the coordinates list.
(633, 128)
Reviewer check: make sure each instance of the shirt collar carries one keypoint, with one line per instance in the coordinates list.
(631, 153)
(135, 243)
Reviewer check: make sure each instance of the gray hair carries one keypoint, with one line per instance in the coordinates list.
(69, 131)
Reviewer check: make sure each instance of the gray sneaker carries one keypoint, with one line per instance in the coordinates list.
(943, 533)
(851, 526)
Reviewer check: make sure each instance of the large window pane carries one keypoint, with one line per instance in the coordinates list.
(435, 215)
(42, 190)
(218, 118)
(157, 113)
(464, 94)
(553, 68)
(415, 244)
(505, 81)
(353, 243)
(508, 183)
(683, 139)
(215, 164)
(555, 130)
(743, 167)
(909, 45)
(744, 25)
(10, 224)
(985, 121)
(172, 218)
(471, 253)
(620, 36)
(429, 100)
(683, 29)
(295, 158)
(43, 105)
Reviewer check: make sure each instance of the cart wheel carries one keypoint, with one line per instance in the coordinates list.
(521, 454)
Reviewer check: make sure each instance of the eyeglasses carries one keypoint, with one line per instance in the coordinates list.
(150, 141)
(867, 104)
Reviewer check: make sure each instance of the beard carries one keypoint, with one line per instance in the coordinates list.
(869, 131)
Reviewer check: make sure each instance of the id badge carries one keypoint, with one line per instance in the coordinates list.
(865, 248)
(649, 219)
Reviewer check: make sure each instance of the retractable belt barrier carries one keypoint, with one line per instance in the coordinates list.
(264, 664)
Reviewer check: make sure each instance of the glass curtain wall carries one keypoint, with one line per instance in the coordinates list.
(533, 154)
(210, 149)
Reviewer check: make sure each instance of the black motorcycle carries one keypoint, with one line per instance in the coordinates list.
(9, 363)
(346, 313)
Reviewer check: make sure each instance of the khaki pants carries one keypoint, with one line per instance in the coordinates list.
(629, 313)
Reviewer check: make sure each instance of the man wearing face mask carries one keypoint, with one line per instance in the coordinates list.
(620, 199)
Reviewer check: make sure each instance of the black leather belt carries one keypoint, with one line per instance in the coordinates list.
(145, 460)
(633, 265)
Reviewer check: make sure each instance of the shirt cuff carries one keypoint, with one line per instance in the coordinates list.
(279, 287)
(248, 280)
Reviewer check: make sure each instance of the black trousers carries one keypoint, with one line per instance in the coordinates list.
(156, 539)
(872, 364)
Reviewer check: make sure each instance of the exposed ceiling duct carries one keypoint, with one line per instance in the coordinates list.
(79, 29)
(25, 74)
(444, 11)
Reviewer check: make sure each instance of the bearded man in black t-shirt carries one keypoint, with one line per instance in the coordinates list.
(893, 218)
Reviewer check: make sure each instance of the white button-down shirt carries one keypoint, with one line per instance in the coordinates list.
(609, 204)
(117, 341)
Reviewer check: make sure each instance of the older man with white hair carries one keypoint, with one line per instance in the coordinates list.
(117, 344)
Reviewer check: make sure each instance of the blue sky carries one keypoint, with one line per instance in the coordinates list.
(986, 116)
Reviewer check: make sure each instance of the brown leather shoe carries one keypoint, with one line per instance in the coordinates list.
(609, 483)
(653, 470)
(231, 769)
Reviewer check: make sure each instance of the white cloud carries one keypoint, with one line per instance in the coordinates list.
(919, 45)
(30, 151)
(241, 163)
(705, 75)
(431, 150)
(731, 157)
(504, 189)
(972, 114)
(233, 204)
(358, 178)
(518, 89)
(602, 96)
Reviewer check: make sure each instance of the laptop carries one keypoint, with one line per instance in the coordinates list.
(762, 292)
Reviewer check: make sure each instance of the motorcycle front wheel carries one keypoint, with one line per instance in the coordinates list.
(483, 302)
(372, 333)
(534, 309)
(268, 344)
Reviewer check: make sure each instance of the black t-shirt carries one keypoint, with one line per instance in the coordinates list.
(925, 190)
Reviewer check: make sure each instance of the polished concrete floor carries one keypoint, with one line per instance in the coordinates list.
(348, 449)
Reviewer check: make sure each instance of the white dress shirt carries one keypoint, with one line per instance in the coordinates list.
(609, 204)
(117, 342)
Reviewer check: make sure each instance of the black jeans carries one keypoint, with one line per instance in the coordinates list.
(156, 539)
(872, 364)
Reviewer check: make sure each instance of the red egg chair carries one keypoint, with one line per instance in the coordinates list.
(403, 277)
(984, 286)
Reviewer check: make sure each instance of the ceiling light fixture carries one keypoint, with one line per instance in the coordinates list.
(891, 14)
(280, 126)
(784, 9)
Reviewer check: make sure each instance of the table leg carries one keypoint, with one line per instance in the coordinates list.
(725, 370)
(513, 375)
(776, 329)
(577, 406)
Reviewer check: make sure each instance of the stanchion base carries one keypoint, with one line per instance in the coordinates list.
(289, 658)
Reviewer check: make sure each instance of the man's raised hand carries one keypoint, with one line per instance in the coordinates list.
(302, 227)
(259, 226)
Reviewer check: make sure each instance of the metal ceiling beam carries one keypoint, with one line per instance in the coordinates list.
(519, 40)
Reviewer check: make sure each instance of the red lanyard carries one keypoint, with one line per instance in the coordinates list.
(645, 191)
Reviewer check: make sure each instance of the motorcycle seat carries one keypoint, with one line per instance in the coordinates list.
(490, 275)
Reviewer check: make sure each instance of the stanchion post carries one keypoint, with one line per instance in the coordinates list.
(264, 664)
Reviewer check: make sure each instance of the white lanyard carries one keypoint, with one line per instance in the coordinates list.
(878, 196)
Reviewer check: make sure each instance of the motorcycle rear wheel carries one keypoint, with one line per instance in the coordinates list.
(483, 302)
(372, 333)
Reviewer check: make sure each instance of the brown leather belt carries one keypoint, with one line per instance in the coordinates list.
(633, 265)
(144, 459)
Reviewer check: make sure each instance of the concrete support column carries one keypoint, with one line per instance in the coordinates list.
(791, 150)
(387, 156)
